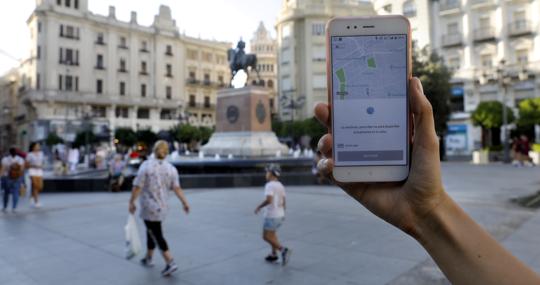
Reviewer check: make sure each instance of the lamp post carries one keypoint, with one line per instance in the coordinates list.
(292, 103)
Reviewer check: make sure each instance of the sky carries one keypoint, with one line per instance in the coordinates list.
(224, 20)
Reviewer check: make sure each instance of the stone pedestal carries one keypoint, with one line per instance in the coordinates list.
(243, 124)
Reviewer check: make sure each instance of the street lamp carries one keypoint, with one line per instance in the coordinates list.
(291, 103)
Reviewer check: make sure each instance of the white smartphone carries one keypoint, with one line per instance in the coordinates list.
(368, 70)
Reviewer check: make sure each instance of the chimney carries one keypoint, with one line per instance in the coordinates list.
(133, 17)
(112, 12)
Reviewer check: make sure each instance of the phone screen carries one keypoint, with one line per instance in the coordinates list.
(369, 83)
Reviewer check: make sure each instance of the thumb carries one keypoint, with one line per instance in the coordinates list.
(424, 124)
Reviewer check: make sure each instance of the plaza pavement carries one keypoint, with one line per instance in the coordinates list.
(78, 238)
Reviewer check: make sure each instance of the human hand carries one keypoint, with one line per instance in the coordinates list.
(186, 208)
(132, 208)
(257, 210)
(403, 205)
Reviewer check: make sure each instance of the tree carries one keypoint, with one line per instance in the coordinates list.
(204, 134)
(146, 137)
(125, 136)
(84, 137)
(186, 133)
(488, 115)
(53, 139)
(429, 67)
(529, 112)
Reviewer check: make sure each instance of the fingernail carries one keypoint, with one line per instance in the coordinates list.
(319, 145)
(322, 165)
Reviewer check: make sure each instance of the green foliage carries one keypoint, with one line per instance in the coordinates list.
(146, 137)
(429, 67)
(204, 134)
(488, 115)
(186, 133)
(310, 127)
(53, 139)
(529, 112)
(125, 136)
(85, 137)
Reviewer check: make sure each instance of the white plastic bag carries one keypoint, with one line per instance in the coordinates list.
(133, 241)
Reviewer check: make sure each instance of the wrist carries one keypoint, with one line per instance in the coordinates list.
(436, 225)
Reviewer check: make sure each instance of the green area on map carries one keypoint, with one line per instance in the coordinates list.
(371, 62)
(340, 73)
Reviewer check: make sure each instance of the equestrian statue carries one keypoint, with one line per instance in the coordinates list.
(239, 60)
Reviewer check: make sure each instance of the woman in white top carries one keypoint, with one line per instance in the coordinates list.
(34, 163)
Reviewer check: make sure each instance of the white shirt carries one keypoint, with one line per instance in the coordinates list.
(8, 161)
(35, 159)
(277, 191)
(73, 155)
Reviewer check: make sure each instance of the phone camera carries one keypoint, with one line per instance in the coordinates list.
(355, 27)
(348, 27)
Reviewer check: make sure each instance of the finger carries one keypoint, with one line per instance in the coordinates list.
(325, 145)
(322, 113)
(424, 124)
(325, 167)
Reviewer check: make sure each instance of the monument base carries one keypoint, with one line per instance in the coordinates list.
(250, 144)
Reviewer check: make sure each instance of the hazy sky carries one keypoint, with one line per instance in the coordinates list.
(225, 20)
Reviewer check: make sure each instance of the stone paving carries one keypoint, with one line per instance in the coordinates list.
(78, 238)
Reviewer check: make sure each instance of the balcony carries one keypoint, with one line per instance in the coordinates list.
(100, 67)
(143, 72)
(207, 82)
(451, 40)
(449, 5)
(192, 81)
(122, 70)
(100, 42)
(168, 75)
(168, 53)
(484, 34)
(123, 47)
(144, 50)
(482, 2)
(520, 28)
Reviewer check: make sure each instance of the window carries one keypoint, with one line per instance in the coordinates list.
(68, 3)
(99, 86)
(319, 81)
(192, 54)
(76, 83)
(522, 56)
(38, 52)
(192, 102)
(168, 50)
(317, 29)
(143, 113)
(59, 82)
(99, 39)
(39, 27)
(123, 43)
(206, 101)
(143, 67)
(122, 65)
(122, 112)
(168, 68)
(271, 103)
(486, 60)
(319, 53)
(485, 22)
(270, 83)
(144, 46)
(38, 81)
(454, 63)
(58, 2)
(220, 79)
(206, 79)
(68, 57)
(192, 75)
(143, 90)
(167, 114)
(122, 88)
(99, 61)
(286, 31)
(409, 9)
(168, 92)
(69, 83)
(76, 4)
(207, 56)
(388, 8)
(99, 111)
(61, 30)
(452, 28)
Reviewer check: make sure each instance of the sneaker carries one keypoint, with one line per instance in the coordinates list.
(169, 269)
(272, 258)
(37, 205)
(147, 262)
(285, 256)
(4, 211)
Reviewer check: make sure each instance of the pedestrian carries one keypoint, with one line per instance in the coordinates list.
(274, 206)
(73, 159)
(116, 173)
(34, 163)
(12, 185)
(10, 159)
(155, 178)
(524, 146)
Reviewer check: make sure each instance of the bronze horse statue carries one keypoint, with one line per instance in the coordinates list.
(239, 60)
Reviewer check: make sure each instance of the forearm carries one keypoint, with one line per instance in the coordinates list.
(465, 252)
(134, 194)
(180, 194)
(263, 204)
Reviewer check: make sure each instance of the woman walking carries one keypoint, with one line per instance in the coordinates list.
(12, 183)
(34, 163)
(156, 177)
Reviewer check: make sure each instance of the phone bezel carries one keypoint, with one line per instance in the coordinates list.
(372, 25)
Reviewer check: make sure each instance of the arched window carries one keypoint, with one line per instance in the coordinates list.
(261, 82)
(254, 82)
(270, 83)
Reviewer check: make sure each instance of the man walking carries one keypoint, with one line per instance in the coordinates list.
(274, 214)
(156, 177)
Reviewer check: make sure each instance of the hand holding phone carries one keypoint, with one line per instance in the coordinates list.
(368, 69)
(400, 204)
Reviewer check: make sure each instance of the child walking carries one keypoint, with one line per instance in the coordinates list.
(12, 183)
(274, 214)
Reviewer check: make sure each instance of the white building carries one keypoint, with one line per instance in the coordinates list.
(265, 47)
(118, 74)
(302, 51)
(473, 36)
